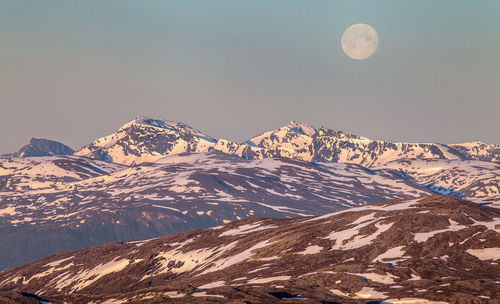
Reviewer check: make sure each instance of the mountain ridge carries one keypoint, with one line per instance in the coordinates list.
(296, 140)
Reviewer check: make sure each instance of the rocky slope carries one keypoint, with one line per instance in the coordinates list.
(43, 147)
(466, 178)
(24, 174)
(479, 150)
(60, 203)
(438, 249)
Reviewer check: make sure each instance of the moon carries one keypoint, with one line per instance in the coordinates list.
(359, 41)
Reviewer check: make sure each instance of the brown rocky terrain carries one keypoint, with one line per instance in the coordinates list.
(437, 249)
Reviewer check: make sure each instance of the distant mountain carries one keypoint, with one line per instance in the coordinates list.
(154, 177)
(300, 141)
(43, 147)
(68, 202)
(479, 150)
(146, 140)
(436, 249)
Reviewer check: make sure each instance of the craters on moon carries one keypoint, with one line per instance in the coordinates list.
(359, 41)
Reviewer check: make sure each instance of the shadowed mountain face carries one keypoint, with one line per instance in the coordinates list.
(69, 202)
(43, 147)
(437, 249)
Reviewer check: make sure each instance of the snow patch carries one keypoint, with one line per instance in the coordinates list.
(485, 253)
(267, 280)
(311, 250)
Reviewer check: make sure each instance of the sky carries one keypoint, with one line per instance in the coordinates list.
(74, 71)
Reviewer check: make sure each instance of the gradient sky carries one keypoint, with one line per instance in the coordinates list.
(77, 70)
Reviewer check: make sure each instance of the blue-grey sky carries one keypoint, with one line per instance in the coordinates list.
(77, 70)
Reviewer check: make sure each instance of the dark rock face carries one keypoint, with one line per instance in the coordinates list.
(10, 297)
(437, 249)
(44, 147)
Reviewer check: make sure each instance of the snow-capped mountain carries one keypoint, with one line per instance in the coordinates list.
(145, 140)
(301, 141)
(88, 202)
(436, 249)
(154, 177)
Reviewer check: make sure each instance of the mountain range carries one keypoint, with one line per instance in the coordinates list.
(156, 177)
(145, 140)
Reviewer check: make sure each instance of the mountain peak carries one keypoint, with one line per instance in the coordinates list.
(148, 121)
(146, 139)
(301, 127)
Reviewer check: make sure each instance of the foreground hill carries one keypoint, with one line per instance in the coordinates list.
(60, 203)
(437, 248)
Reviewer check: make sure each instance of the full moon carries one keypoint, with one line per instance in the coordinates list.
(359, 41)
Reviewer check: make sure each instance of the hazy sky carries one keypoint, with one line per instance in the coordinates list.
(77, 70)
